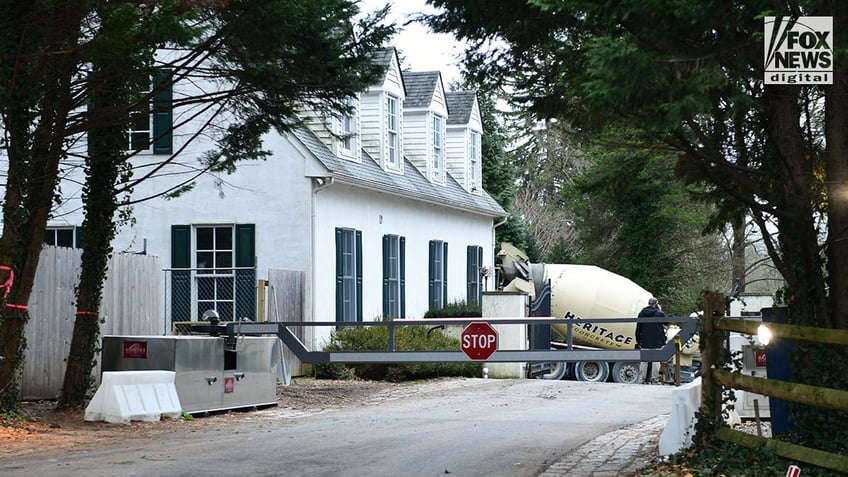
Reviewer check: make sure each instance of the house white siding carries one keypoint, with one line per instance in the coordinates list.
(376, 214)
(372, 120)
(416, 135)
(456, 154)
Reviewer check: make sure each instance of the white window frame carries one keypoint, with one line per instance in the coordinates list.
(55, 231)
(218, 275)
(349, 132)
(474, 153)
(437, 164)
(145, 111)
(393, 132)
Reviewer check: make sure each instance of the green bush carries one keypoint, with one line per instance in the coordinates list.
(407, 338)
(455, 310)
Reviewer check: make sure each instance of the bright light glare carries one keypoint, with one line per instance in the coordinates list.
(764, 334)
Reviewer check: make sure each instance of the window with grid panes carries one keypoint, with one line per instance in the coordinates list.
(392, 132)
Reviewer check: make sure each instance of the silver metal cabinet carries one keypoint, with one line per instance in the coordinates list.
(209, 376)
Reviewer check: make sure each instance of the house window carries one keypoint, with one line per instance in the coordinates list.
(438, 282)
(438, 147)
(348, 132)
(394, 283)
(215, 275)
(348, 275)
(473, 264)
(62, 236)
(220, 273)
(474, 153)
(151, 124)
(392, 132)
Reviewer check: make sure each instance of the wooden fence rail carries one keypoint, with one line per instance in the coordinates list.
(714, 381)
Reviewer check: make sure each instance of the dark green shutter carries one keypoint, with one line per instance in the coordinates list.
(358, 275)
(469, 275)
(444, 275)
(432, 271)
(479, 265)
(180, 279)
(246, 279)
(78, 238)
(386, 273)
(339, 275)
(163, 113)
(402, 259)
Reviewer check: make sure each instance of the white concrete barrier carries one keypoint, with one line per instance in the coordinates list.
(125, 396)
(677, 434)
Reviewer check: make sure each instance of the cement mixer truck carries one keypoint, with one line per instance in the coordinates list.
(579, 292)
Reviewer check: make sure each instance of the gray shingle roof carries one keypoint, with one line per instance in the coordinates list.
(460, 104)
(411, 184)
(383, 56)
(420, 87)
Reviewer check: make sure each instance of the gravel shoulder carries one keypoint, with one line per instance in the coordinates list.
(40, 429)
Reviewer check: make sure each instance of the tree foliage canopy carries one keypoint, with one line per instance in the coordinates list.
(689, 76)
(70, 68)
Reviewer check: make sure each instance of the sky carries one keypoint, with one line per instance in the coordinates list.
(421, 49)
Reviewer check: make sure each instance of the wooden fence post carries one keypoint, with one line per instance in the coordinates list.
(711, 391)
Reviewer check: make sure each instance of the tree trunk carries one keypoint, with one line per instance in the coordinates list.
(111, 83)
(836, 157)
(39, 99)
(794, 196)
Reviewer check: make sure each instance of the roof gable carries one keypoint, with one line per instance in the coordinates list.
(392, 81)
(461, 104)
(411, 184)
(422, 87)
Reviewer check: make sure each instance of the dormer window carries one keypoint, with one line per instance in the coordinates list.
(474, 154)
(392, 132)
(438, 160)
(348, 130)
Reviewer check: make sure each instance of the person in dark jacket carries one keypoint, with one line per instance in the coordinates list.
(650, 336)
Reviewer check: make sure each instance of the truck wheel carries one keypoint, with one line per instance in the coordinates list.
(558, 371)
(626, 372)
(593, 371)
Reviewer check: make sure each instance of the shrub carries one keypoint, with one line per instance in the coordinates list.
(407, 338)
(455, 310)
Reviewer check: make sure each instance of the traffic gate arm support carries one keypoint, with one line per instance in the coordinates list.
(280, 329)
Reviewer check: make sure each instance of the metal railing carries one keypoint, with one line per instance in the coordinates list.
(392, 355)
(189, 292)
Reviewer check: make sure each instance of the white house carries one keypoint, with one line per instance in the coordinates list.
(386, 217)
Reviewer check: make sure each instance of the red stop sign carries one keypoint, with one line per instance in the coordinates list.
(479, 341)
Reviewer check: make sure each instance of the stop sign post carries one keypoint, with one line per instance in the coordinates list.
(479, 340)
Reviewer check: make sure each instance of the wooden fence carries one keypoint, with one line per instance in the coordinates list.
(132, 305)
(286, 296)
(714, 381)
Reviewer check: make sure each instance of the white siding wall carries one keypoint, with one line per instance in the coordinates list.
(416, 135)
(372, 121)
(321, 126)
(377, 214)
(475, 122)
(439, 104)
(273, 194)
(456, 154)
(394, 82)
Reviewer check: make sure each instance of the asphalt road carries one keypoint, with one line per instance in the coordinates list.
(471, 427)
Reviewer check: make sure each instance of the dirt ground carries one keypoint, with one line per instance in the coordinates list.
(39, 426)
